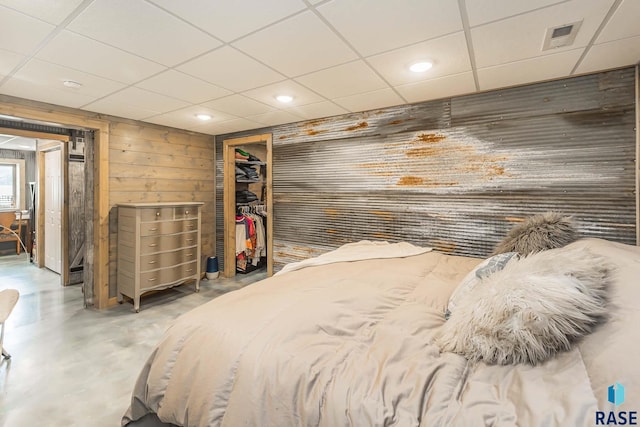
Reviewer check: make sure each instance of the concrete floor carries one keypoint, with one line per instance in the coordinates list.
(72, 366)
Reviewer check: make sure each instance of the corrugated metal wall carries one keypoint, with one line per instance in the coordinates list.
(456, 174)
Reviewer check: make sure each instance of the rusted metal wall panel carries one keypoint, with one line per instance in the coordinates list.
(456, 174)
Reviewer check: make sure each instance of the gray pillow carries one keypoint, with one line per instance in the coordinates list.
(538, 233)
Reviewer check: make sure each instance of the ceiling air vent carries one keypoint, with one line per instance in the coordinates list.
(561, 36)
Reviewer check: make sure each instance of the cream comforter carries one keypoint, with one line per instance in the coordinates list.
(350, 344)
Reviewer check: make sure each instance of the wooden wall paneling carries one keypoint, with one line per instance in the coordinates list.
(153, 164)
(150, 154)
(88, 265)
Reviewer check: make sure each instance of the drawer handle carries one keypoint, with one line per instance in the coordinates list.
(152, 262)
(153, 229)
(189, 240)
(190, 269)
(153, 279)
(191, 226)
(153, 245)
(158, 213)
(186, 212)
(189, 255)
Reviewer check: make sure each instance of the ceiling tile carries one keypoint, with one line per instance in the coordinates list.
(142, 100)
(81, 53)
(46, 74)
(185, 118)
(614, 54)
(623, 23)
(143, 29)
(443, 87)
(115, 107)
(343, 80)
(377, 26)
(20, 33)
(44, 93)
(370, 100)
(53, 12)
(183, 86)
(220, 128)
(238, 105)
(267, 94)
(449, 55)
(483, 11)
(521, 37)
(231, 69)
(9, 60)
(230, 20)
(317, 110)
(298, 45)
(529, 70)
(274, 118)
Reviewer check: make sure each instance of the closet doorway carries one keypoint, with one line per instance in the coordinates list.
(248, 188)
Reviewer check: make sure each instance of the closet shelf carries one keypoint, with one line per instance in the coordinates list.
(249, 162)
(249, 180)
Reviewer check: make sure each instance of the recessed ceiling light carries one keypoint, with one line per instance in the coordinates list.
(72, 84)
(421, 67)
(284, 98)
(203, 117)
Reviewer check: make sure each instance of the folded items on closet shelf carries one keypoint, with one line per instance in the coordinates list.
(240, 174)
(248, 171)
(245, 196)
(241, 155)
(245, 155)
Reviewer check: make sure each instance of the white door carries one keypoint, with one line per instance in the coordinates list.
(53, 211)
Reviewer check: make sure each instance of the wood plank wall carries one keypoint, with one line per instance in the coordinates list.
(148, 163)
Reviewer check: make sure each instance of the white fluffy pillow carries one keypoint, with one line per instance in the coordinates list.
(530, 310)
(482, 270)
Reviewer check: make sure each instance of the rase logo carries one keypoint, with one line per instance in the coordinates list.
(615, 395)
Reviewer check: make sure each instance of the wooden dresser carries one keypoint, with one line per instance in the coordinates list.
(158, 247)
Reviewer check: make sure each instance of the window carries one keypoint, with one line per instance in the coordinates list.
(11, 181)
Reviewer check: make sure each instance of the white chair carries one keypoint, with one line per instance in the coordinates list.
(8, 299)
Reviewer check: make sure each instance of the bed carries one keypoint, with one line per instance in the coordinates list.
(355, 338)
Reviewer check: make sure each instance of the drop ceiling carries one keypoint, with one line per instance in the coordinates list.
(166, 61)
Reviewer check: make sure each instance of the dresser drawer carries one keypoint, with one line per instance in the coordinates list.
(186, 212)
(160, 227)
(162, 243)
(166, 276)
(167, 227)
(156, 214)
(167, 259)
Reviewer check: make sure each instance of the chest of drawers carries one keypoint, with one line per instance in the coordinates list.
(158, 247)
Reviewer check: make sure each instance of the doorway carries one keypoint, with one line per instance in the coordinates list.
(254, 192)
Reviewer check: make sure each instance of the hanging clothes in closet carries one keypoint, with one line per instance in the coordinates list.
(251, 240)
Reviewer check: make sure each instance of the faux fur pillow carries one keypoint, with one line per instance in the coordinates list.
(482, 271)
(530, 310)
(538, 233)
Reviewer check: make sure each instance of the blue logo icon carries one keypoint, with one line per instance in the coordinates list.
(616, 394)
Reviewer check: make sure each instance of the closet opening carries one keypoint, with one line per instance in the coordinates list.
(248, 219)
